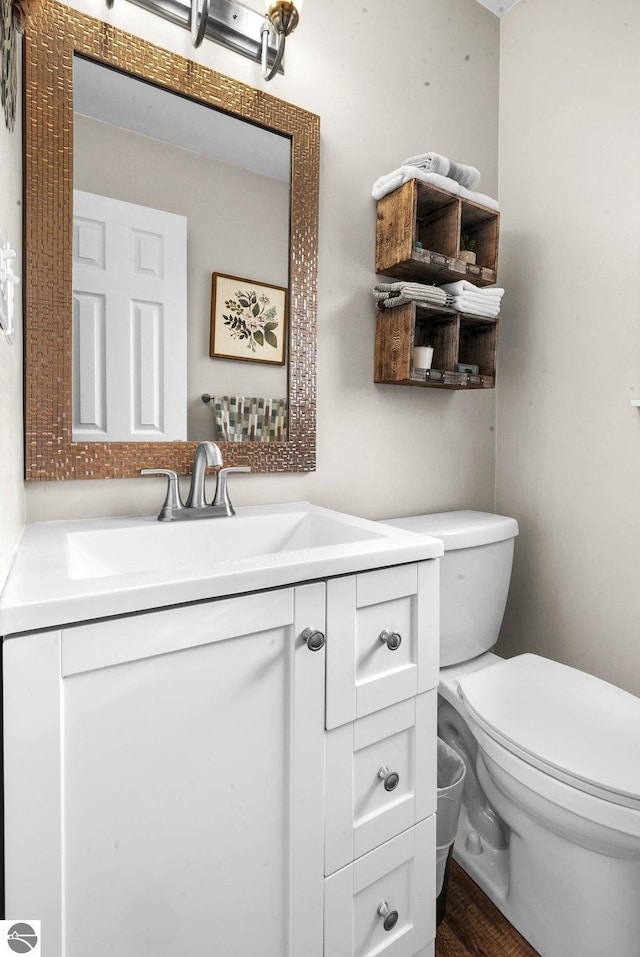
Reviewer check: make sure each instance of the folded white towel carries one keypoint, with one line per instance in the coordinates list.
(489, 303)
(460, 304)
(480, 300)
(481, 198)
(463, 286)
(467, 176)
(390, 181)
(471, 305)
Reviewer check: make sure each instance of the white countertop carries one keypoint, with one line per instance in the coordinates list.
(73, 571)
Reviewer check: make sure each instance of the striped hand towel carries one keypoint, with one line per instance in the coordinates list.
(389, 294)
(242, 418)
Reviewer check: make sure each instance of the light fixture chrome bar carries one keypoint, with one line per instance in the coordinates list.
(199, 20)
(268, 72)
(230, 24)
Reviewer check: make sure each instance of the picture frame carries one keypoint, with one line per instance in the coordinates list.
(249, 320)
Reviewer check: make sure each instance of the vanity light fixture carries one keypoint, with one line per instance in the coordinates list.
(239, 28)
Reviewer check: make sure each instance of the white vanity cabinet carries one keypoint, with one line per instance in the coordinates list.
(195, 780)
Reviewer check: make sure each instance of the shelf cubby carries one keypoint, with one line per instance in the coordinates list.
(483, 225)
(455, 337)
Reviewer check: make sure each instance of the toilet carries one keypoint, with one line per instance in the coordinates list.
(550, 822)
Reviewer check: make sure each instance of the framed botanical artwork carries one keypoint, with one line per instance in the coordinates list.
(248, 320)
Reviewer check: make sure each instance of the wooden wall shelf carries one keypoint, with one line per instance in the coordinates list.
(456, 338)
(419, 228)
(421, 213)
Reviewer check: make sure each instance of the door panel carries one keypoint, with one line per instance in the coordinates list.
(173, 764)
(129, 321)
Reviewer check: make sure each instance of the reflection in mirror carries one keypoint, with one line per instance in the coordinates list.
(168, 191)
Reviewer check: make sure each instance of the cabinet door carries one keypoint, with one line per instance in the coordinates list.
(365, 673)
(380, 778)
(182, 752)
(400, 875)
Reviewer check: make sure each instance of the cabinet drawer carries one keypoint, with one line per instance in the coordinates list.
(401, 874)
(363, 809)
(365, 673)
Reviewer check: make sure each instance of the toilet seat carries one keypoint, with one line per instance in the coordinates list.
(574, 727)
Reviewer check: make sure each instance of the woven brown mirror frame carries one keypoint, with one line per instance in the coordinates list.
(54, 33)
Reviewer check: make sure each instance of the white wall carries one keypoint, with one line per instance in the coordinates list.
(568, 457)
(386, 86)
(12, 503)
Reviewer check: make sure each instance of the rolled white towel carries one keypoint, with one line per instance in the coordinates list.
(431, 162)
(391, 181)
(466, 176)
(463, 286)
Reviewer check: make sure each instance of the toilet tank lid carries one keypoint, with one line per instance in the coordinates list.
(573, 726)
(461, 529)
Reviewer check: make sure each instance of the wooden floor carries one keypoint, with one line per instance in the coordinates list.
(473, 926)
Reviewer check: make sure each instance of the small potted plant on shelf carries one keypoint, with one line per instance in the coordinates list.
(467, 248)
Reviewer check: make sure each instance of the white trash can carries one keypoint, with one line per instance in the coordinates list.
(450, 783)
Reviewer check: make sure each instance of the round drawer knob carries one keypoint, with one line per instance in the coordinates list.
(391, 639)
(390, 916)
(391, 778)
(314, 639)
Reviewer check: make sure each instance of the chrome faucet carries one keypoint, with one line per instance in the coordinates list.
(207, 455)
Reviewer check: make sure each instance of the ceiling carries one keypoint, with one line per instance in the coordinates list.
(498, 6)
(127, 102)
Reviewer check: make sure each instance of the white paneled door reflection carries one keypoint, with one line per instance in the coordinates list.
(129, 322)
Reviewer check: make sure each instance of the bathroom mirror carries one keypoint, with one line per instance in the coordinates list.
(59, 43)
(190, 184)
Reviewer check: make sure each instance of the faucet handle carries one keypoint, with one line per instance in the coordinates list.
(222, 492)
(172, 501)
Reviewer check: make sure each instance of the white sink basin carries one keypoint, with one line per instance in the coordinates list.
(250, 534)
(68, 572)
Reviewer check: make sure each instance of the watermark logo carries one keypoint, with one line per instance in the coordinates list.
(19, 937)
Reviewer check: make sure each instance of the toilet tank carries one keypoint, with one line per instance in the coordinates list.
(474, 577)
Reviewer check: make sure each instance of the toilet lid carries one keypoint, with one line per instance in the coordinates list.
(571, 725)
